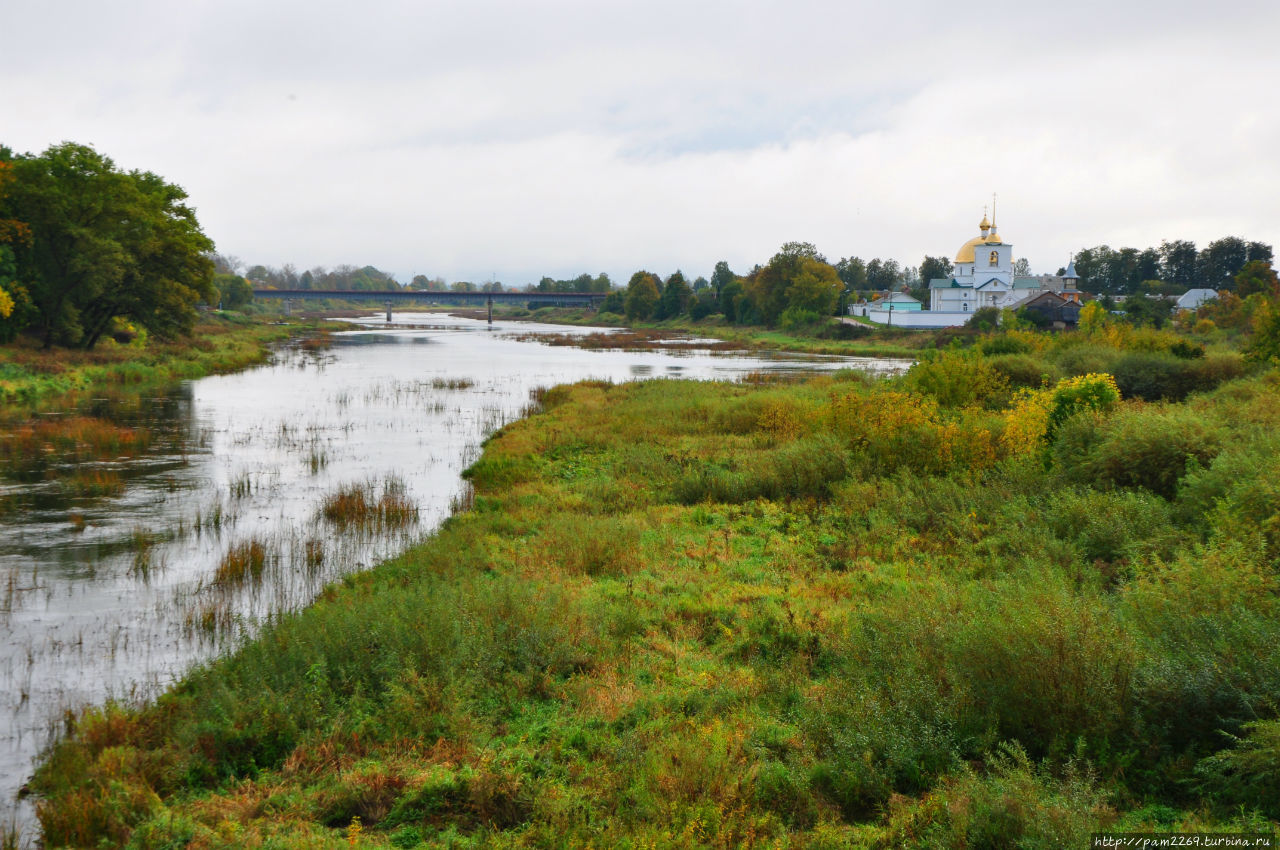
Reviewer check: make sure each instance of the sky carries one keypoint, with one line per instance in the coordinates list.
(507, 140)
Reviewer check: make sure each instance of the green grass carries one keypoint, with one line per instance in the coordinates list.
(831, 612)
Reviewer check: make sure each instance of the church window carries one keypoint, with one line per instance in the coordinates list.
(995, 258)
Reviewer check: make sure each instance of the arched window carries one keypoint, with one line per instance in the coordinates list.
(995, 258)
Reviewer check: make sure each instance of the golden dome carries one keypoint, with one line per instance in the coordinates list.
(986, 225)
(966, 255)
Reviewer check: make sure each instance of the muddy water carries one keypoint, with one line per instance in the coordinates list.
(116, 596)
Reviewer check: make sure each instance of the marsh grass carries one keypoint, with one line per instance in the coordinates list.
(244, 562)
(366, 506)
(830, 612)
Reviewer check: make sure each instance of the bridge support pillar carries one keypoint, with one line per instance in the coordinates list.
(288, 307)
(388, 312)
(490, 300)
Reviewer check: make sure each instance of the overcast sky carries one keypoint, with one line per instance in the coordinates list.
(515, 139)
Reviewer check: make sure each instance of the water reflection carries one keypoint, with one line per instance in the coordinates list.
(115, 596)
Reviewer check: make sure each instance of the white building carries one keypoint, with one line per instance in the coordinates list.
(984, 277)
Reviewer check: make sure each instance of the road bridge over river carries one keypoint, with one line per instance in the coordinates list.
(390, 297)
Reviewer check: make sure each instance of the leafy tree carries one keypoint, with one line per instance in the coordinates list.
(935, 268)
(642, 295)
(721, 277)
(106, 244)
(1022, 267)
(1141, 310)
(675, 297)
(1260, 251)
(704, 304)
(1264, 347)
(602, 283)
(853, 272)
(700, 283)
(1178, 262)
(1221, 261)
(797, 276)
(233, 291)
(614, 302)
(1149, 264)
(1257, 276)
(731, 298)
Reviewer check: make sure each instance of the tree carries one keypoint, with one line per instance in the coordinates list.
(642, 295)
(233, 291)
(797, 276)
(1221, 261)
(1141, 310)
(883, 274)
(1022, 267)
(721, 277)
(1257, 276)
(614, 302)
(934, 268)
(1264, 347)
(732, 294)
(1148, 264)
(602, 283)
(1178, 262)
(675, 297)
(853, 272)
(106, 244)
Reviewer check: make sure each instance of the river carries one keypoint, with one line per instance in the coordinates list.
(114, 597)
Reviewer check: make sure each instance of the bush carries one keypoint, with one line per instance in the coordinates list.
(1247, 775)
(958, 378)
(1151, 448)
(1022, 370)
(1160, 376)
(1013, 804)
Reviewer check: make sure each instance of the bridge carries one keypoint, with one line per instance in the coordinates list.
(388, 297)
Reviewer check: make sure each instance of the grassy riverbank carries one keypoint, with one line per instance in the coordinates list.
(950, 609)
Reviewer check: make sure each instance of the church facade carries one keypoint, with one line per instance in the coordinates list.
(984, 277)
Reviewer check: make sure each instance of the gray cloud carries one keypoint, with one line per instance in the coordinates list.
(468, 139)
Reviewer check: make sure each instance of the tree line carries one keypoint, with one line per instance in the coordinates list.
(1172, 267)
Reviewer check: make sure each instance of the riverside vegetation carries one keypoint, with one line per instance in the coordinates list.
(1025, 592)
(63, 411)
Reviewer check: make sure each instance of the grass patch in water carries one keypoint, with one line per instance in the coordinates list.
(362, 506)
(244, 562)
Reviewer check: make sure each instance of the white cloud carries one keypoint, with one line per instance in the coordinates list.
(467, 139)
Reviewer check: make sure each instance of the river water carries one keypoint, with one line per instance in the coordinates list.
(114, 597)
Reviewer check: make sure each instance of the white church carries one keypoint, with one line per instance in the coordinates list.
(983, 277)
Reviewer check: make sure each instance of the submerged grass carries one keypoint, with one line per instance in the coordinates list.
(831, 612)
(364, 506)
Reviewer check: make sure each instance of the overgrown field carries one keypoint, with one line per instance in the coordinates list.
(992, 603)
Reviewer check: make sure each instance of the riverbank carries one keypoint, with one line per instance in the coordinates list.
(832, 338)
(31, 377)
(62, 409)
(836, 611)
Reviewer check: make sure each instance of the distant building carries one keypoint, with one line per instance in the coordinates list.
(983, 277)
(1193, 298)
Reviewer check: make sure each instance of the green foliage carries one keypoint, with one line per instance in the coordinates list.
(1013, 804)
(797, 276)
(106, 243)
(825, 612)
(234, 292)
(1264, 346)
(1137, 447)
(1248, 773)
(957, 378)
(643, 295)
(984, 319)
